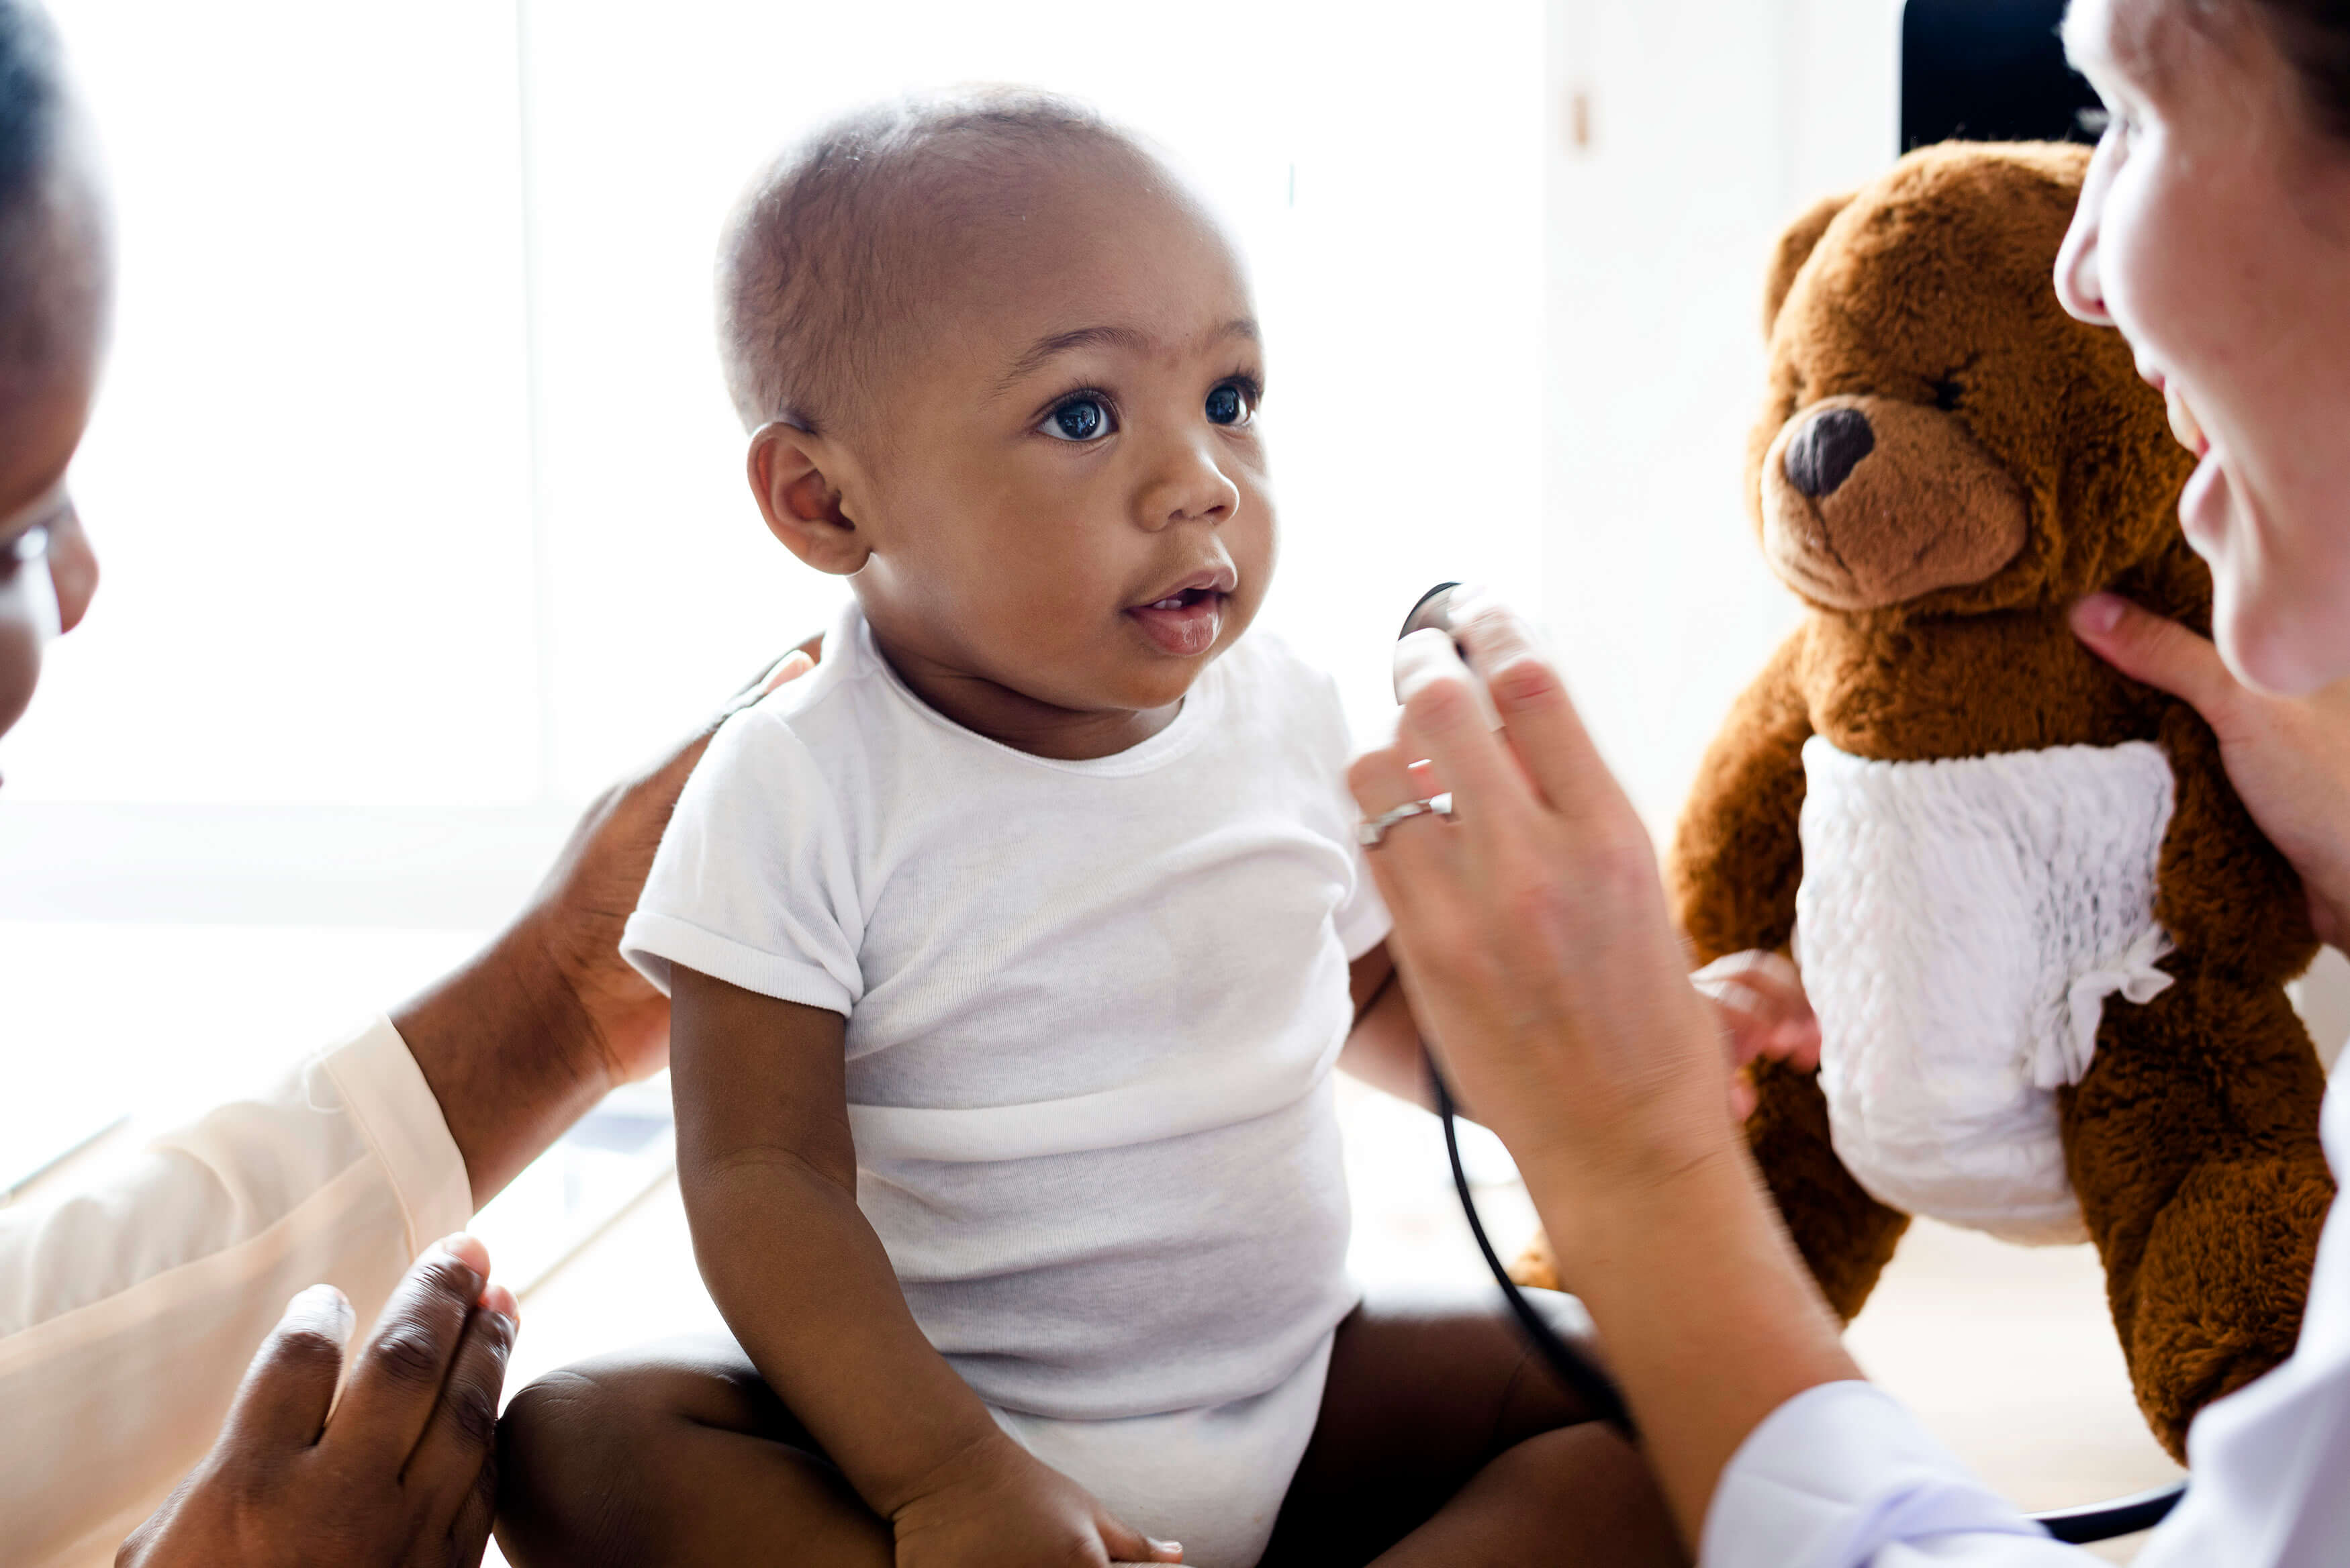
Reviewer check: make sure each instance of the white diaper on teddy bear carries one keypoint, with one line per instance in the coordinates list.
(1960, 925)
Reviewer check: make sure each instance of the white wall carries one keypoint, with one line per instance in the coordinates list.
(1706, 124)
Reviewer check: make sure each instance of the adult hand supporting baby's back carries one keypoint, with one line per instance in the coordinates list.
(521, 1041)
(2289, 757)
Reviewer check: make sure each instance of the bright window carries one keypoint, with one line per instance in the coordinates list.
(421, 504)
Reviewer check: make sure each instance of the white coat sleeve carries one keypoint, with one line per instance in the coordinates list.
(1842, 1477)
(130, 1311)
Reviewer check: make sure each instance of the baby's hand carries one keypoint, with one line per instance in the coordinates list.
(1759, 998)
(998, 1506)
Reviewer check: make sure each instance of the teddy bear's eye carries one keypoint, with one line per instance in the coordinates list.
(1948, 394)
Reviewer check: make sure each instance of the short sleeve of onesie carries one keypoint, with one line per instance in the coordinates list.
(1362, 921)
(753, 883)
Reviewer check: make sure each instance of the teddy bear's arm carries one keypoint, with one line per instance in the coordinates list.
(1737, 861)
(1737, 857)
(2192, 1138)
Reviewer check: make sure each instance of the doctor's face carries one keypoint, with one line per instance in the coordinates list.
(2214, 231)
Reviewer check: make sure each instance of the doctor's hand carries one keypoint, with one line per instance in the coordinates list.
(2289, 757)
(1534, 937)
(525, 1037)
(1533, 932)
(399, 1475)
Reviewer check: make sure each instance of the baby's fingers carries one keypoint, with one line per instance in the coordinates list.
(1759, 998)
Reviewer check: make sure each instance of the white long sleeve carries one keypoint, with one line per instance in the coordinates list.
(1842, 1477)
(129, 1312)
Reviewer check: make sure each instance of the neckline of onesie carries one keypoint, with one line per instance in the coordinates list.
(1192, 722)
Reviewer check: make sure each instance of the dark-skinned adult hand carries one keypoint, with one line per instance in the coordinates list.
(528, 1035)
(397, 1474)
(2289, 757)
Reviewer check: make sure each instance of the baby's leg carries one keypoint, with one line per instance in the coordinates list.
(676, 1454)
(1445, 1440)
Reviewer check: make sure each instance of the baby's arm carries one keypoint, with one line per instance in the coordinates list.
(769, 1176)
(1383, 1048)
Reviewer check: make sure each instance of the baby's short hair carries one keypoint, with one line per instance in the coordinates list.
(821, 264)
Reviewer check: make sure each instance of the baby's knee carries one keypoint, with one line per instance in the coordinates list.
(574, 1481)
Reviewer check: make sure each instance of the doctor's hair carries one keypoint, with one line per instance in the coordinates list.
(2314, 36)
(830, 253)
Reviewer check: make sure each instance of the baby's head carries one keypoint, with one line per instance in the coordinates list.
(1001, 370)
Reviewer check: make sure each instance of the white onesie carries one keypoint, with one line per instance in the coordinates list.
(1092, 1008)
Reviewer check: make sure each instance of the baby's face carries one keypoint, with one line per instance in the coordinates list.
(1064, 488)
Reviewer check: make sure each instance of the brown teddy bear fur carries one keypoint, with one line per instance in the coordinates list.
(1938, 630)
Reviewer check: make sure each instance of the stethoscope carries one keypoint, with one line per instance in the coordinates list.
(2074, 1526)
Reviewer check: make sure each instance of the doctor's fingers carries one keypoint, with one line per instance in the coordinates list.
(1416, 862)
(1444, 721)
(1539, 720)
(445, 1474)
(283, 1403)
(396, 1382)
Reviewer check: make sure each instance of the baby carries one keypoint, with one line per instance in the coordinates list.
(1011, 952)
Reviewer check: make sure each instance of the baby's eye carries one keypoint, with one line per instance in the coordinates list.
(1231, 404)
(1079, 419)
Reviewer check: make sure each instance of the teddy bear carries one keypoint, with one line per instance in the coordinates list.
(2047, 946)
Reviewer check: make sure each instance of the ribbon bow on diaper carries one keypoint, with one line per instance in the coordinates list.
(2060, 1056)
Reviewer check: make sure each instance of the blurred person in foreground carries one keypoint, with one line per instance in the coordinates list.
(2214, 233)
(129, 1310)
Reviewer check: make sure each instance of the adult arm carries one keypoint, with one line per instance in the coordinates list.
(1534, 937)
(128, 1311)
(525, 1037)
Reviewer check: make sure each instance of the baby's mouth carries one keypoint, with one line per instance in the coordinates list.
(1185, 623)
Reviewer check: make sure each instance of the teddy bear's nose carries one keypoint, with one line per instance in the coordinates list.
(1826, 450)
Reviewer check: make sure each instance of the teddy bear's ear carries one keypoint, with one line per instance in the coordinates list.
(1794, 248)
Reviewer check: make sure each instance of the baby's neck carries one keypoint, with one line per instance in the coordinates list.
(1014, 719)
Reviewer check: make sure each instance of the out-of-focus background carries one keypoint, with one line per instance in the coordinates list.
(423, 518)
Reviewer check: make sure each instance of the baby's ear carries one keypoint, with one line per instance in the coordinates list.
(1794, 249)
(788, 470)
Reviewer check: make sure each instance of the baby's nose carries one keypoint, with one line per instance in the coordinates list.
(1825, 450)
